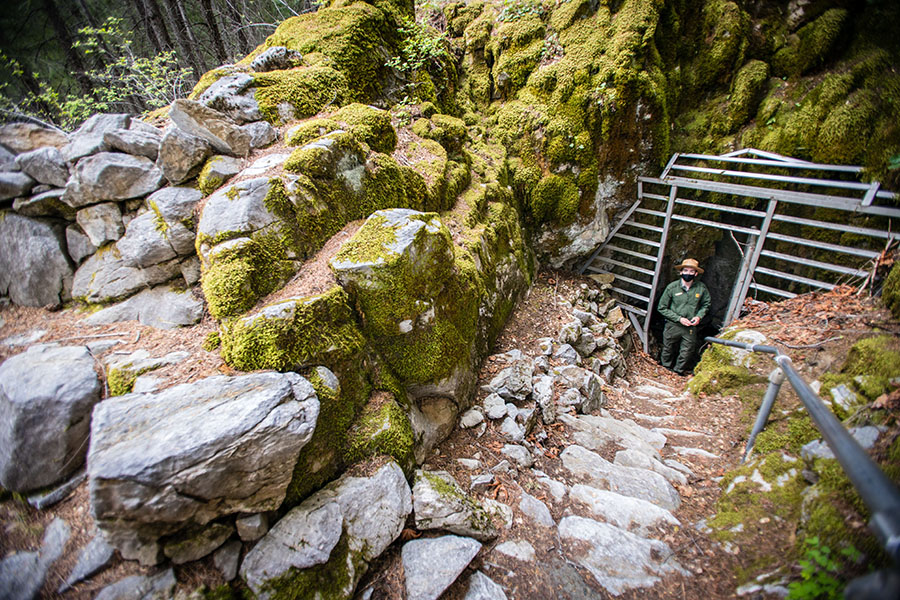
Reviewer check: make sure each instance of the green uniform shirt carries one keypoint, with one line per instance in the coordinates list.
(676, 302)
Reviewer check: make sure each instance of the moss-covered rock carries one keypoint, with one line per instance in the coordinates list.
(809, 47)
(890, 293)
(300, 92)
(370, 125)
(382, 428)
(722, 369)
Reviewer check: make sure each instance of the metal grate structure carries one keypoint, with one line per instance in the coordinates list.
(771, 205)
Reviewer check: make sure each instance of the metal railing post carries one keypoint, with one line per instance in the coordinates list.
(776, 378)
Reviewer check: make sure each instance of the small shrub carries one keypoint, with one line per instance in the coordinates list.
(820, 574)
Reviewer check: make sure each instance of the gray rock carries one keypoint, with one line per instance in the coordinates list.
(45, 165)
(432, 565)
(482, 587)
(617, 559)
(109, 276)
(46, 396)
(265, 164)
(556, 488)
(865, 437)
(512, 430)
(440, 503)
(536, 510)
(471, 418)
(24, 339)
(139, 142)
(844, 397)
(586, 344)
(227, 559)
(513, 382)
(261, 134)
(542, 392)
(519, 455)
(276, 58)
(162, 307)
(14, 184)
(236, 208)
(520, 550)
(196, 545)
(34, 270)
(469, 463)
(153, 472)
(45, 499)
(25, 137)
(567, 355)
(140, 587)
(624, 512)
(175, 205)
(94, 557)
(22, 574)
(101, 223)
(365, 514)
(494, 406)
(191, 270)
(628, 481)
(89, 137)
(432, 420)
(481, 482)
(144, 384)
(45, 204)
(640, 460)
(233, 95)
(7, 160)
(78, 244)
(219, 169)
(181, 155)
(111, 176)
(223, 134)
(573, 398)
(253, 527)
(570, 333)
(594, 432)
(585, 318)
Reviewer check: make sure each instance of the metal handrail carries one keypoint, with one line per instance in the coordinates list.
(878, 492)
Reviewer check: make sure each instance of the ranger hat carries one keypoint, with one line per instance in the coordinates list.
(689, 262)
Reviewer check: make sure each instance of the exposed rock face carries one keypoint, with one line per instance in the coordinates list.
(440, 503)
(330, 539)
(234, 96)
(34, 268)
(25, 137)
(44, 165)
(218, 129)
(154, 472)
(111, 176)
(14, 184)
(181, 155)
(46, 397)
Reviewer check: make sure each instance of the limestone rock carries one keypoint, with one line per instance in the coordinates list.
(45, 165)
(566, 354)
(108, 276)
(864, 436)
(628, 481)
(494, 406)
(46, 395)
(238, 208)
(518, 454)
(34, 269)
(513, 382)
(536, 510)
(154, 472)
(181, 155)
(25, 137)
(519, 550)
(617, 559)
(139, 142)
(439, 503)
(276, 58)
(14, 184)
(227, 559)
(79, 245)
(92, 559)
(22, 575)
(339, 530)
(163, 307)
(45, 204)
(624, 512)
(122, 370)
(234, 95)
(482, 587)
(261, 134)
(111, 176)
(218, 129)
(140, 587)
(198, 544)
(253, 527)
(217, 170)
(88, 139)
(101, 222)
(471, 418)
(594, 432)
(431, 565)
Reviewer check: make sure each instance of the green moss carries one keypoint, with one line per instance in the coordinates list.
(448, 131)
(715, 374)
(322, 159)
(382, 429)
(212, 341)
(207, 182)
(308, 131)
(370, 125)
(206, 80)
(746, 92)
(334, 579)
(159, 222)
(724, 30)
(449, 489)
(890, 293)
(554, 198)
(844, 135)
(120, 380)
(788, 435)
(811, 45)
(298, 93)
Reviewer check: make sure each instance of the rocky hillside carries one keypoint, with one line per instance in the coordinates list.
(342, 224)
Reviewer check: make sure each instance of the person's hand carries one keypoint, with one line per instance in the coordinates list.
(685, 321)
(695, 321)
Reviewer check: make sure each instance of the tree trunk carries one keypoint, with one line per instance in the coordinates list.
(218, 46)
(181, 40)
(66, 42)
(158, 23)
(192, 41)
(243, 45)
(146, 25)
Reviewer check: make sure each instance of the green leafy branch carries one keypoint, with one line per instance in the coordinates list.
(820, 572)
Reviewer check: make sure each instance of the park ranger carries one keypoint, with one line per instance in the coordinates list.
(683, 303)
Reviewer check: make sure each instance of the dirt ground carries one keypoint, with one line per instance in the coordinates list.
(821, 328)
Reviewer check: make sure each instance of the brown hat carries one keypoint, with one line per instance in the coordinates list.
(689, 262)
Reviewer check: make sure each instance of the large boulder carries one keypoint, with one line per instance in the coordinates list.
(101, 222)
(89, 139)
(140, 142)
(14, 184)
(25, 137)
(34, 268)
(234, 96)
(45, 165)
(181, 155)
(329, 540)
(161, 463)
(46, 397)
(112, 176)
(225, 136)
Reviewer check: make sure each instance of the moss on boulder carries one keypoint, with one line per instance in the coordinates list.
(370, 125)
(890, 293)
(382, 428)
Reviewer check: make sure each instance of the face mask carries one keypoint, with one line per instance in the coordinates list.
(688, 276)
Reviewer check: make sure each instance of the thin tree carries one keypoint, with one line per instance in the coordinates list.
(218, 45)
(67, 44)
(181, 40)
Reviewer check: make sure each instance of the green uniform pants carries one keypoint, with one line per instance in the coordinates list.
(673, 335)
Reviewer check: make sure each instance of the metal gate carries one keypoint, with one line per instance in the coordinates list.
(776, 200)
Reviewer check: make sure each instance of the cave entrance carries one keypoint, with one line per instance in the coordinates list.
(766, 226)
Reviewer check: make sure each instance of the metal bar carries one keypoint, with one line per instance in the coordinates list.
(637, 326)
(797, 278)
(659, 197)
(816, 264)
(837, 227)
(610, 235)
(754, 256)
(825, 246)
(772, 290)
(670, 207)
(791, 164)
(669, 164)
(870, 194)
(880, 495)
(629, 294)
(615, 248)
(764, 154)
(794, 197)
(636, 282)
(737, 300)
(730, 209)
(846, 185)
(744, 345)
(627, 307)
(617, 263)
(656, 213)
(708, 223)
(776, 378)
(638, 240)
(640, 225)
